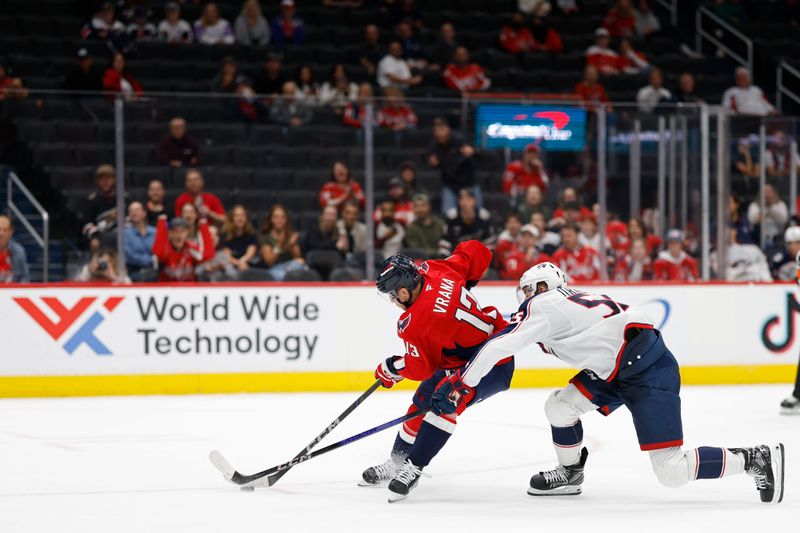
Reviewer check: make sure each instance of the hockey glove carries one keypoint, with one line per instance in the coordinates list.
(388, 371)
(451, 396)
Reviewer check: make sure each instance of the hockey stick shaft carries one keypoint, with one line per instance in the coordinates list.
(270, 473)
(331, 426)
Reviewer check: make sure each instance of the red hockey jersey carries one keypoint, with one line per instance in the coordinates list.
(445, 323)
(668, 268)
(179, 265)
(513, 260)
(517, 178)
(581, 264)
(466, 79)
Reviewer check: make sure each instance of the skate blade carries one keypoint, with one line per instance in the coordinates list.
(363, 483)
(394, 498)
(778, 456)
(560, 491)
(790, 411)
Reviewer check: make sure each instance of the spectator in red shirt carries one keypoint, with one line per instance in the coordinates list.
(545, 38)
(674, 264)
(522, 173)
(636, 265)
(621, 19)
(601, 56)
(403, 206)
(515, 37)
(118, 80)
(631, 61)
(353, 115)
(580, 263)
(341, 188)
(207, 204)
(637, 230)
(10, 86)
(396, 114)
(177, 256)
(591, 93)
(517, 256)
(463, 76)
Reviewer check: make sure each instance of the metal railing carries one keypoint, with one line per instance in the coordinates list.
(781, 89)
(672, 7)
(43, 239)
(707, 34)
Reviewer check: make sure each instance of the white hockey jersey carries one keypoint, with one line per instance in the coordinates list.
(585, 330)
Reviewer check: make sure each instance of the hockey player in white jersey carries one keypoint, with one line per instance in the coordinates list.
(623, 361)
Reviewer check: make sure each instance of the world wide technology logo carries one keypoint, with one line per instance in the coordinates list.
(67, 316)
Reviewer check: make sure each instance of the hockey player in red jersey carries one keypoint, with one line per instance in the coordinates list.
(177, 256)
(441, 326)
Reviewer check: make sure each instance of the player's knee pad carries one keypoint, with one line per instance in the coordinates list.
(670, 466)
(564, 407)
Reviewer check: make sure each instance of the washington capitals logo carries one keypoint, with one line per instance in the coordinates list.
(67, 316)
(402, 324)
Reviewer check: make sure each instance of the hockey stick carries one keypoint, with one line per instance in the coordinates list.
(273, 474)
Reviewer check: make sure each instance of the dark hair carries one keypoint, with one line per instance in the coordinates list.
(340, 162)
(299, 72)
(267, 227)
(642, 225)
(352, 203)
(331, 76)
(229, 231)
(10, 220)
(571, 226)
(515, 215)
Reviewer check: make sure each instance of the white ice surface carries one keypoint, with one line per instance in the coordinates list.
(139, 464)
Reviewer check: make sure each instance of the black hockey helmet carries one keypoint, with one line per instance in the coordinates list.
(397, 272)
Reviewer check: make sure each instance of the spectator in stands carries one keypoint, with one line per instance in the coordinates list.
(466, 223)
(251, 28)
(784, 264)
(413, 51)
(338, 89)
(511, 231)
(570, 196)
(288, 110)
(590, 91)
(352, 231)
(654, 93)
(101, 212)
(589, 236)
(389, 233)
(533, 202)
(307, 88)
(118, 80)
(396, 114)
(401, 10)
(778, 157)
(427, 229)
(208, 204)
(408, 173)
(370, 52)
(601, 56)
(745, 98)
(620, 20)
(516, 256)
(674, 264)
(445, 46)
(278, 243)
(745, 234)
(177, 255)
(463, 76)
(744, 160)
(454, 158)
(138, 238)
(534, 7)
(101, 268)
(646, 22)
(515, 37)
(637, 265)
(173, 29)
(324, 235)
(211, 28)
(13, 260)
(270, 80)
(394, 70)
(155, 201)
(549, 238)
(341, 188)
(545, 38)
(239, 242)
(638, 230)
(631, 61)
(403, 208)
(191, 215)
(140, 29)
(745, 262)
(105, 26)
(83, 75)
(580, 263)
(353, 115)
(776, 215)
(219, 267)
(686, 92)
(287, 27)
(522, 173)
(178, 149)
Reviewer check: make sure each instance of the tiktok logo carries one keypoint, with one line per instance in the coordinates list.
(792, 307)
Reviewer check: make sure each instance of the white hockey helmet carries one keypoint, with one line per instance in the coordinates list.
(548, 273)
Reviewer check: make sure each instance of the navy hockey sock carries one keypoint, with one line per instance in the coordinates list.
(401, 448)
(432, 437)
(567, 441)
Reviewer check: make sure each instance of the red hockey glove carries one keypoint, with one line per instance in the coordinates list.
(388, 371)
(451, 396)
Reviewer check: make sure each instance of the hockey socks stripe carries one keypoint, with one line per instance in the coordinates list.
(432, 436)
(567, 441)
(712, 463)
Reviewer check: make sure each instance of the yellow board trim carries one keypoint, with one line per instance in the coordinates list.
(54, 386)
